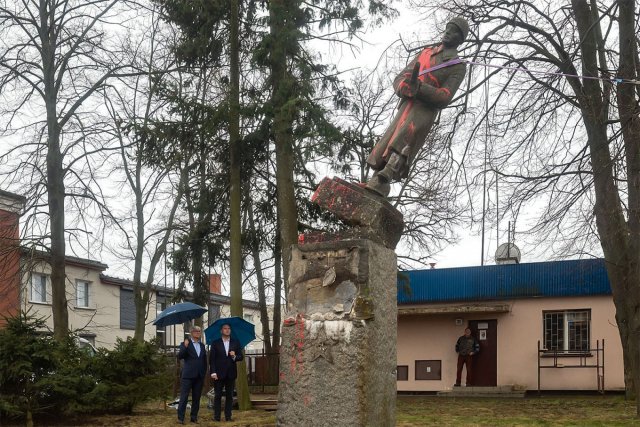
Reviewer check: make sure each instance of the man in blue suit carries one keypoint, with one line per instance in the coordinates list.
(224, 353)
(194, 354)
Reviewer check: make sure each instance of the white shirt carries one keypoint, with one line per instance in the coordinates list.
(196, 344)
(226, 345)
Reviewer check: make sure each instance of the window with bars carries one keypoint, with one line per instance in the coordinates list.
(567, 331)
(82, 294)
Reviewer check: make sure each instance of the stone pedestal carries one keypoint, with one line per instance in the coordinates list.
(368, 215)
(338, 353)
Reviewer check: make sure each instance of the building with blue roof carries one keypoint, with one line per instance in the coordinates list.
(556, 315)
(506, 281)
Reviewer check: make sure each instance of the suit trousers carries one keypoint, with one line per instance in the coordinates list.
(193, 385)
(465, 360)
(228, 384)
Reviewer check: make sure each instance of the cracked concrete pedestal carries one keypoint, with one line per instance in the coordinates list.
(338, 353)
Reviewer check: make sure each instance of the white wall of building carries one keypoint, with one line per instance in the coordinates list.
(100, 320)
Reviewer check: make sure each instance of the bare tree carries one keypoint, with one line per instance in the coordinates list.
(565, 129)
(369, 111)
(156, 190)
(54, 56)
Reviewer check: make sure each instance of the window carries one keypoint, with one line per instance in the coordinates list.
(38, 287)
(160, 331)
(82, 293)
(567, 331)
(248, 317)
(160, 306)
(127, 310)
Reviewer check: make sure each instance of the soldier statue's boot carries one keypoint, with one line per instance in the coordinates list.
(379, 184)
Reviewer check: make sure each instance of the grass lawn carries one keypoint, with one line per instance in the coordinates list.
(533, 411)
(426, 411)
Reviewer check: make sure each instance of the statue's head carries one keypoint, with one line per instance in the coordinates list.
(456, 32)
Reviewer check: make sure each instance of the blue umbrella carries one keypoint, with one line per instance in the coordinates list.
(179, 313)
(241, 330)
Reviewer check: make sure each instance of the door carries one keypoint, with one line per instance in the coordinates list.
(485, 363)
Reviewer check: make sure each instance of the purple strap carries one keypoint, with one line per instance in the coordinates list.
(526, 70)
(443, 65)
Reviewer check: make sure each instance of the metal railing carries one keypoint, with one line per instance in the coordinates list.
(582, 359)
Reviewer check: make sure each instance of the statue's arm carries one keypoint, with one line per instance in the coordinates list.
(404, 75)
(440, 97)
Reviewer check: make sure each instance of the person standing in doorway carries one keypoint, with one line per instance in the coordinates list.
(194, 354)
(467, 346)
(225, 352)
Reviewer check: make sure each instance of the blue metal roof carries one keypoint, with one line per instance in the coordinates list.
(495, 282)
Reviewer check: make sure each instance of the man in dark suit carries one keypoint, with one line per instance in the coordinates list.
(194, 354)
(224, 353)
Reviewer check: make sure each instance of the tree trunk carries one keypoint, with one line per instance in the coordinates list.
(271, 358)
(619, 238)
(244, 399)
(55, 175)
(630, 336)
(257, 264)
(277, 293)
(281, 29)
(56, 197)
(201, 225)
(627, 292)
(141, 299)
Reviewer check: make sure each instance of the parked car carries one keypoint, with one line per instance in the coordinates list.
(85, 345)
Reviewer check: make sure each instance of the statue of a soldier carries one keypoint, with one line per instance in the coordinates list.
(422, 95)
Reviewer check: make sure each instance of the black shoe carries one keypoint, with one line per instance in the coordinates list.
(456, 385)
(228, 419)
(180, 421)
(194, 421)
(216, 419)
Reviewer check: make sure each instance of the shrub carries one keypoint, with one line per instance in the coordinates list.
(132, 373)
(37, 373)
(40, 375)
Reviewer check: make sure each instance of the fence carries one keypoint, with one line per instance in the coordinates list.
(263, 369)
